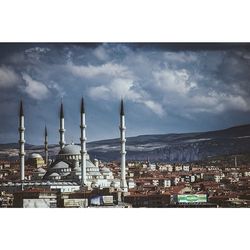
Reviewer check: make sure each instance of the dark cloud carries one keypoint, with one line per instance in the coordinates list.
(190, 46)
(168, 87)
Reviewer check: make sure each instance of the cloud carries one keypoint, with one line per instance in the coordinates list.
(178, 81)
(125, 88)
(155, 107)
(107, 69)
(122, 87)
(35, 89)
(39, 50)
(101, 53)
(181, 57)
(117, 88)
(99, 92)
(220, 102)
(204, 101)
(35, 53)
(237, 103)
(118, 81)
(57, 88)
(8, 78)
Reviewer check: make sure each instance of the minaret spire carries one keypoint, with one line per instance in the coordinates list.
(61, 111)
(122, 108)
(61, 130)
(124, 185)
(82, 106)
(46, 145)
(83, 140)
(21, 109)
(21, 142)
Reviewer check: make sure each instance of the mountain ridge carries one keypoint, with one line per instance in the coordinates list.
(172, 147)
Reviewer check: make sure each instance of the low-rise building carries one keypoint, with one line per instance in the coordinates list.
(149, 199)
(186, 168)
(35, 198)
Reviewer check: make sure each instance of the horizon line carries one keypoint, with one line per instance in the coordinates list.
(92, 141)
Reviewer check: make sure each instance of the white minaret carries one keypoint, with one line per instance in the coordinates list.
(61, 130)
(83, 140)
(124, 185)
(235, 162)
(46, 146)
(21, 142)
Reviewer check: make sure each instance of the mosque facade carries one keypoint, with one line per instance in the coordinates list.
(67, 166)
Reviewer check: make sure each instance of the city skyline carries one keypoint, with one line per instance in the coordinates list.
(167, 88)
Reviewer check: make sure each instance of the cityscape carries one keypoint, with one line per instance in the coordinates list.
(123, 122)
(145, 157)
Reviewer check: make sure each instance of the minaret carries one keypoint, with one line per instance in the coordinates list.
(61, 130)
(21, 142)
(235, 162)
(46, 145)
(83, 144)
(124, 185)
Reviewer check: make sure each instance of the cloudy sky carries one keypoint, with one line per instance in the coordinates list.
(167, 88)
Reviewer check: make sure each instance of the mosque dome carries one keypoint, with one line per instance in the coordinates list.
(71, 152)
(34, 156)
(71, 149)
(35, 160)
(60, 164)
(41, 170)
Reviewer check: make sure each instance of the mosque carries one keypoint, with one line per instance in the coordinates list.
(67, 165)
(72, 168)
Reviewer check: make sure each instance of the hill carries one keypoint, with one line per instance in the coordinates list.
(183, 147)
